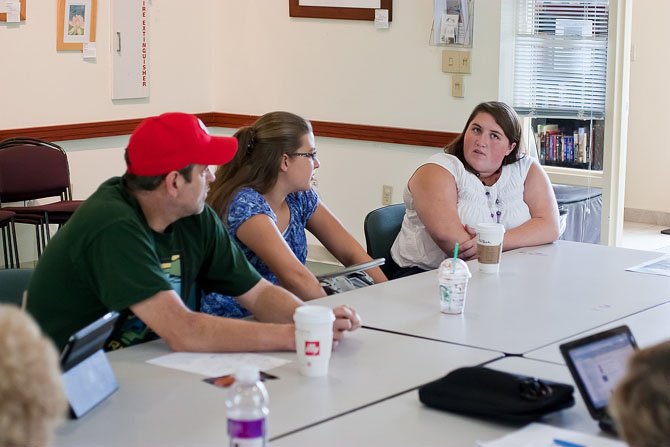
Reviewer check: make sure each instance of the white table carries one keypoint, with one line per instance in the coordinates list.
(166, 407)
(404, 421)
(649, 327)
(542, 295)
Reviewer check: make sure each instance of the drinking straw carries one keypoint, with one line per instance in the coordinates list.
(453, 264)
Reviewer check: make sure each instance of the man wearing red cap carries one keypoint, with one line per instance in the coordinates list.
(146, 245)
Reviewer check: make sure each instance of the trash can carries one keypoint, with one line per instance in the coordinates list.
(584, 207)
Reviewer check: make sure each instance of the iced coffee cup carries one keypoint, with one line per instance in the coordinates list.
(453, 276)
(489, 246)
(313, 338)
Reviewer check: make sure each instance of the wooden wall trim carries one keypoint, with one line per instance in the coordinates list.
(382, 134)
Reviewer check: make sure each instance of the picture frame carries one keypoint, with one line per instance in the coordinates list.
(22, 13)
(332, 9)
(76, 23)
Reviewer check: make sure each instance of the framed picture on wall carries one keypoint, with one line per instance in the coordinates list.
(75, 23)
(4, 10)
(338, 9)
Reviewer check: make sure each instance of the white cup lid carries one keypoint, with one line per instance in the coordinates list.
(313, 314)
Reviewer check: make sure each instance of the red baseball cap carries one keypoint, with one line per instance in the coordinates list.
(172, 141)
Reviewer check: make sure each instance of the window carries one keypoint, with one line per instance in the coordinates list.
(560, 71)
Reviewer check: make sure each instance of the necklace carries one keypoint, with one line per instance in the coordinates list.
(496, 172)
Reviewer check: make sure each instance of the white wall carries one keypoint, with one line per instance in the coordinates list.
(43, 87)
(348, 71)
(648, 158)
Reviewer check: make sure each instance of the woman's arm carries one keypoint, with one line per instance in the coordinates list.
(543, 226)
(262, 236)
(329, 230)
(435, 199)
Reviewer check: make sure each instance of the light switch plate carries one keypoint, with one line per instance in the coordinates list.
(464, 62)
(450, 61)
(457, 85)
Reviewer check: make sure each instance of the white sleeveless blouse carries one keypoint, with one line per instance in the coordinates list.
(477, 203)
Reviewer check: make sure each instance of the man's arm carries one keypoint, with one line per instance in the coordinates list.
(274, 304)
(185, 330)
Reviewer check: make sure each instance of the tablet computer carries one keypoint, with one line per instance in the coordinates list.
(353, 268)
(88, 377)
(597, 364)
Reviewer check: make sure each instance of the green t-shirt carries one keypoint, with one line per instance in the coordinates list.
(107, 258)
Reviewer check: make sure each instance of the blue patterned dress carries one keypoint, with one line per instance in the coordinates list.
(246, 204)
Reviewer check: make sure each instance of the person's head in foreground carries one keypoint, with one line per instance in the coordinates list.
(32, 401)
(640, 404)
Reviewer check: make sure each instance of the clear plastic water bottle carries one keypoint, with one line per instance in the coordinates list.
(247, 407)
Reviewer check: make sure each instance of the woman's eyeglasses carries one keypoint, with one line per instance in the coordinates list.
(311, 155)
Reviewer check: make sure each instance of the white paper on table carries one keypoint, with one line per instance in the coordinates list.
(658, 266)
(543, 435)
(214, 364)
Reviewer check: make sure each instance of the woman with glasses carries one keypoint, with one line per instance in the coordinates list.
(265, 198)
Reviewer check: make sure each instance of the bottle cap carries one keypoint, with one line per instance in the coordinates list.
(247, 374)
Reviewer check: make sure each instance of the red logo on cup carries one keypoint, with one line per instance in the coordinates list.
(312, 348)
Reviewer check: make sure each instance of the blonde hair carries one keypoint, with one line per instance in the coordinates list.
(640, 404)
(32, 400)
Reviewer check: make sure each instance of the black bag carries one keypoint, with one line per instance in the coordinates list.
(489, 393)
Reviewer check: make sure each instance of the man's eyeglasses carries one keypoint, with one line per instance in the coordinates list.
(311, 155)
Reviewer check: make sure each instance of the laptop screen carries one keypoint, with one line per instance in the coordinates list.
(598, 363)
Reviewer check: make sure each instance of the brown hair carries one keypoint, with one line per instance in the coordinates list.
(641, 402)
(259, 154)
(506, 118)
(32, 400)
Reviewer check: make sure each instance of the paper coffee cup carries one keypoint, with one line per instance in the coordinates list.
(489, 246)
(313, 338)
(453, 283)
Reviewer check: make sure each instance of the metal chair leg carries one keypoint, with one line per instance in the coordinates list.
(16, 246)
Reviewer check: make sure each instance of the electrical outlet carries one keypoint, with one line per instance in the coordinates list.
(457, 85)
(387, 194)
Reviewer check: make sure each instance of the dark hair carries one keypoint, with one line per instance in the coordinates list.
(149, 183)
(259, 154)
(506, 118)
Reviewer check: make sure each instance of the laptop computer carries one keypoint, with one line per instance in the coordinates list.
(88, 378)
(597, 364)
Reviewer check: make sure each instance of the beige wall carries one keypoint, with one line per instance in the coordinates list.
(648, 161)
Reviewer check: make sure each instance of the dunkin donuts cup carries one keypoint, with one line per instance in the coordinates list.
(313, 338)
(453, 279)
(489, 246)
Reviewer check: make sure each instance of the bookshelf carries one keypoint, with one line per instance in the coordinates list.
(569, 143)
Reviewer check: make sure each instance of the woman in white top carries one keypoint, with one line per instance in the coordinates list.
(482, 176)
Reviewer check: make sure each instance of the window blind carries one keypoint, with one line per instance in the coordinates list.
(560, 58)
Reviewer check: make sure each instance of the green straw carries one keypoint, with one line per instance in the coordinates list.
(453, 264)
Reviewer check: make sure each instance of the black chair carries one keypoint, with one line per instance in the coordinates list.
(10, 248)
(13, 282)
(381, 227)
(33, 169)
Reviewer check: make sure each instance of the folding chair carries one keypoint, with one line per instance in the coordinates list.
(381, 227)
(10, 248)
(33, 169)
